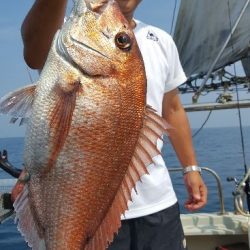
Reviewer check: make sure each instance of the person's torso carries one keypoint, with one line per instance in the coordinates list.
(155, 191)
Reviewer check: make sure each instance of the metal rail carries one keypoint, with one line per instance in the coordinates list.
(216, 106)
(239, 194)
(218, 182)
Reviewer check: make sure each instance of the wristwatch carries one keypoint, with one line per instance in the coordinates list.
(192, 168)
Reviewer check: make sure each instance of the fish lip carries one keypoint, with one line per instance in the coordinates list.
(88, 47)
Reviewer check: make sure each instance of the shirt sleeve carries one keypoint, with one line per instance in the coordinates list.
(176, 75)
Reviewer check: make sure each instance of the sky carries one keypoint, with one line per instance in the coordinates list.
(14, 73)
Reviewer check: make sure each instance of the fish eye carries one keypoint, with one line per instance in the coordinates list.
(123, 41)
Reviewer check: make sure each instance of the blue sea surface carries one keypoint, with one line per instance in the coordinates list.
(217, 148)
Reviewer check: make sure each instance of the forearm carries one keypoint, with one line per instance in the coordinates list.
(38, 29)
(180, 133)
(180, 137)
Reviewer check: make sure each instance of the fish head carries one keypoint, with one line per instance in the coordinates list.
(97, 39)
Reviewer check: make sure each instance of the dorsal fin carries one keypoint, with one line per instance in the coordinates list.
(153, 128)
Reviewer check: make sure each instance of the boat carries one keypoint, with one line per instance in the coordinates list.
(212, 37)
(220, 230)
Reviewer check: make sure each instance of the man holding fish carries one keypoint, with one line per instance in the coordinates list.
(152, 219)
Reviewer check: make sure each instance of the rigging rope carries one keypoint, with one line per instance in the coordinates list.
(171, 32)
(237, 97)
(204, 123)
(173, 17)
(29, 74)
(247, 187)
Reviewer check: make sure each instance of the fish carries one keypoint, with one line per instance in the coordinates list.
(90, 134)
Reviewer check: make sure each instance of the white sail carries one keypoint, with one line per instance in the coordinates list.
(202, 29)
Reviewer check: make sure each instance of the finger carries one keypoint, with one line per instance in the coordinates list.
(194, 205)
(195, 192)
(18, 188)
(203, 193)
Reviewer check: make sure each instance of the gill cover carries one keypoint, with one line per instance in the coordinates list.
(103, 40)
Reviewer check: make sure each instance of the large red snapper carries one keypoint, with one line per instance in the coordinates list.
(90, 135)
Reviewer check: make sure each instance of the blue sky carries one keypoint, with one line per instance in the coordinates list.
(13, 71)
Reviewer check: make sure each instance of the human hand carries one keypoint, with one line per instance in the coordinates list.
(19, 186)
(16, 190)
(197, 191)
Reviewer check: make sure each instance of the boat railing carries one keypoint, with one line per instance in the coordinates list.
(240, 193)
(218, 182)
(7, 184)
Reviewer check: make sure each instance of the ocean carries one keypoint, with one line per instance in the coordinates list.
(217, 148)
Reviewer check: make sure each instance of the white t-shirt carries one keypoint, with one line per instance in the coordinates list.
(164, 73)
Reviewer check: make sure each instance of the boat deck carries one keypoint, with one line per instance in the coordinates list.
(207, 231)
(213, 223)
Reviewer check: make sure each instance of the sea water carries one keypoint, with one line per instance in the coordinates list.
(217, 148)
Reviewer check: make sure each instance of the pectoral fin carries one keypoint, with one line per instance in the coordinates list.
(61, 116)
(18, 103)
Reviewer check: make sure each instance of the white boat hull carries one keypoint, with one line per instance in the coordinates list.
(206, 231)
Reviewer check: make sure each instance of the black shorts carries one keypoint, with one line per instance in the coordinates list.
(159, 231)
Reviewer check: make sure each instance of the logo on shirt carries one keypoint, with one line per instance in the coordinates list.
(151, 35)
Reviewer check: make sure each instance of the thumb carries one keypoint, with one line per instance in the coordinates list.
(196, 193)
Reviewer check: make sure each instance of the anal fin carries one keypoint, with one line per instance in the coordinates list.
(25, 221)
